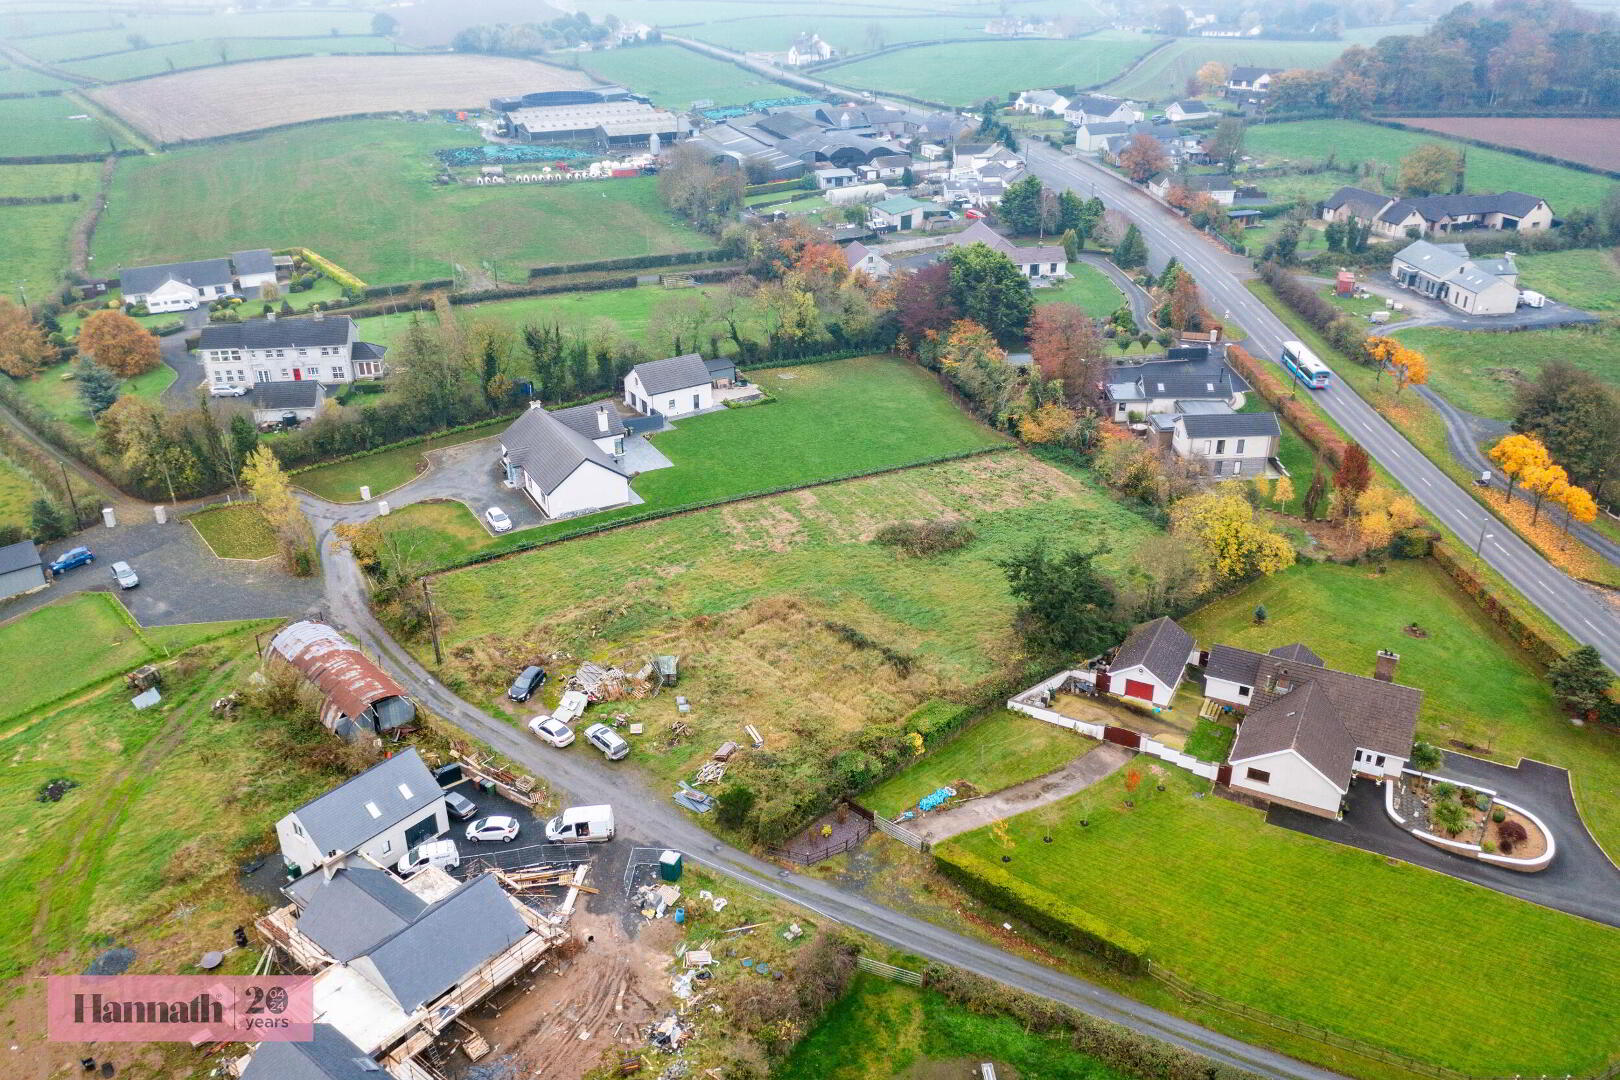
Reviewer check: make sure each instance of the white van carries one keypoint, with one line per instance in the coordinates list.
(441, 853)
(581, 825)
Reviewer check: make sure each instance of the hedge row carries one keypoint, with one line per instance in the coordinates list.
(38, 200)
(69, 159)
(374, 291)
(633, 262)
(687, 508)
(1530, 639)
(1047, 913)
(1319, 435)
(332, 270)
(800, 361)
(773, 186)
(505, 418)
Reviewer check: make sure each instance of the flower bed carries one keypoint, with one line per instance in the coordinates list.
(1442, 808)
(1469, 822)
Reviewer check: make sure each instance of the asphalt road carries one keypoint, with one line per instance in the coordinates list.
(653, 819)
(1574, 606)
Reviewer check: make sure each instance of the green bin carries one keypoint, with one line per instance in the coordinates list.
(669, 866)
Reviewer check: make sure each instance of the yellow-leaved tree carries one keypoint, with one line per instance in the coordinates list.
(1046, 424)
(1578, 506)
(23, 348)
(263, 477)
(1220, 525)
(1406, 364)
(1517, 453)
(1382, 512)
(1282, 493)
(1544, 482)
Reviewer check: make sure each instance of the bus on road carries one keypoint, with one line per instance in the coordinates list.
(1303, 365)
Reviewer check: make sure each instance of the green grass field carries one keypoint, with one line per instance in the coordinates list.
(40, 125)
(849, 33)
(35, 253)
(404, 228)
(90, 626)
(1586, 279)
(1348, 613)
(1487, 170)
(675, 77)
(161, 29)
(18, 491)
(1003, 749)
(829, 420)
(748, 595)
(238, 531)
(380, 472)
(1307, 929)
(1163, 77)
(161, 59)
(1478, 372)
(964, 74)
(59, 396)
(21, 80)
(881, 1030)
(1089, 288)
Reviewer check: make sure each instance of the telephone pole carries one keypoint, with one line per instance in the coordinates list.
(433, 625)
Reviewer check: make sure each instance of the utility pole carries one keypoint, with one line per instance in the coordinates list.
(69, 485)
(433, 625)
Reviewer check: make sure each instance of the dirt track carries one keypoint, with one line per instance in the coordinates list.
(210, 102)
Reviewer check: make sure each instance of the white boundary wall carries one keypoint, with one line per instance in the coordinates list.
(1035, 701)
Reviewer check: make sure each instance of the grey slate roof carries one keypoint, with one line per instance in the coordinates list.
(583, 419)
(1193, 106)
(1363, 204)
(1231, 425)
(356, 910)
(287, 394)
(1449, 262)
(549, 451)
(329, 1055)
(1093, 105)
(1232, 664)
(1161, 646)
(365, 350)
(1204, 377)
(18, 556)
(277, 333)
(673, 373)
(444, 944)
(720, 368)
(1245, 74)
(1299, 653)
(339, 820)
(1436, 207)
(1107, 127)
(1304, 720)
(200, 272)
(257, 261)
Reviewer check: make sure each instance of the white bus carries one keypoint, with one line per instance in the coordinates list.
(1304, 366)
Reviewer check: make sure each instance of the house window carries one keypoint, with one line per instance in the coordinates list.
(219, 376)
(1237, 468)
(1380, 761)
(285, 375)
(1244, 691)
(1239, 448)
(387, 846)
(261, 375)
(1220, 446)
(337, 374)
(1259, 776)
(671, 404)
(696, 401)
(298, 830)
(312, 373)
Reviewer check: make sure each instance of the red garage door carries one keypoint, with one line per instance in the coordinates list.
(1138, 689)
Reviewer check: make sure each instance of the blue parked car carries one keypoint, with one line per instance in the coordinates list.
(78, 556)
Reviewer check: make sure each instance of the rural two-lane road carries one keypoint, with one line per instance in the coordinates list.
(652, 818)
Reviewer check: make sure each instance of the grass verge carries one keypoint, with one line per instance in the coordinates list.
(236, 531)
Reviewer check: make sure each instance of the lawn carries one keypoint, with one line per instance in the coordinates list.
(90, 627)
(21, 80)
(1487, 170)
(1089, 288)
(159, 29)
(360, 192)
(236, 531)
(879, 1030)
(1163, 77)
(753, 597)
(1478, 372)
(969, 72)
(674, 77)
(381, 472)
(17, 493)
(1585, 278)
(1002, 749)
(35, 251)
(56, 392)
(1347, 613)
(161, 59)
(1307, 929)
(41, 125)
(829, 420)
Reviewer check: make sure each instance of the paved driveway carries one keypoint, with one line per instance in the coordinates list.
(1581, 879)
(181, 580)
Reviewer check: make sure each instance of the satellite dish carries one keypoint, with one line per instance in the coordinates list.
(211, 960)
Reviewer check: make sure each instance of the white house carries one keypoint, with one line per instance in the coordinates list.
(1099, 109)
(834, 178)
(809, 49)
(1222, 189)
(1306, 730)
(320, 348)
(1149, 666)
(1041, 103)
(1179, 112)
(1446, 273)
(902, 212)
(868, 261)
(188, 285)
(565, 461)
(1431, 215)
(1186, 373)
(1227, 444)
(1246, 81)
(382, 813)
(673, 386)
(1033, 261)
(1093, 136)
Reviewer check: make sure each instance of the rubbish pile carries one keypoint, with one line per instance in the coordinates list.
(607, 683)
(669, 1034)
(933, 799)
(656, 899)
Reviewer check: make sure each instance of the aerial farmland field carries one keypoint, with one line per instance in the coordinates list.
(1588, 140)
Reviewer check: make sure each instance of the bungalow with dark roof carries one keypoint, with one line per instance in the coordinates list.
(1178, 112)
(1436, 214)
(184, 286)
(566, 462)
(674, 386)
(1250, 83)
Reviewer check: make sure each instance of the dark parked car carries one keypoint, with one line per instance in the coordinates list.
(460, 806)
(78, 556)
(528, 681)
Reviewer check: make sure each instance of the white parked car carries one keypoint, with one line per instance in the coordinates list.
(550, 729)
(498, 521)
(607, 740)
(504, 829)
(229, 391)
(125, 575)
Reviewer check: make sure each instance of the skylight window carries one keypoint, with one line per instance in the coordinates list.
(371, 808)
(405, 790)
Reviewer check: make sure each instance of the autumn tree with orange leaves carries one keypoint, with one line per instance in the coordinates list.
(1516, 455)
(119, 344)
(1065, 345)
(1407, 364)
(23, 348)
(1143, 158)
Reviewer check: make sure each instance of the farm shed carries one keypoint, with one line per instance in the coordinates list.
(20, 569)
(360, 696)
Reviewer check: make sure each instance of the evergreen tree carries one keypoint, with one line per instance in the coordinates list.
(47, 521)
(987, 288)
(98, 387)
(1071, 212)
(1172, 270)
(1019, 208)
(1132, 250)
(1580, 680)
(1066, 606)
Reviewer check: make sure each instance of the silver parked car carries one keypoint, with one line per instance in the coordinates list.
(607, 740)
(125, 575)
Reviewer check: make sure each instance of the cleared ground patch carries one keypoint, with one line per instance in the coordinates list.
(225, 101)
(967, 73)
(1589, 140)
(1284, 922)
(361, 193)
